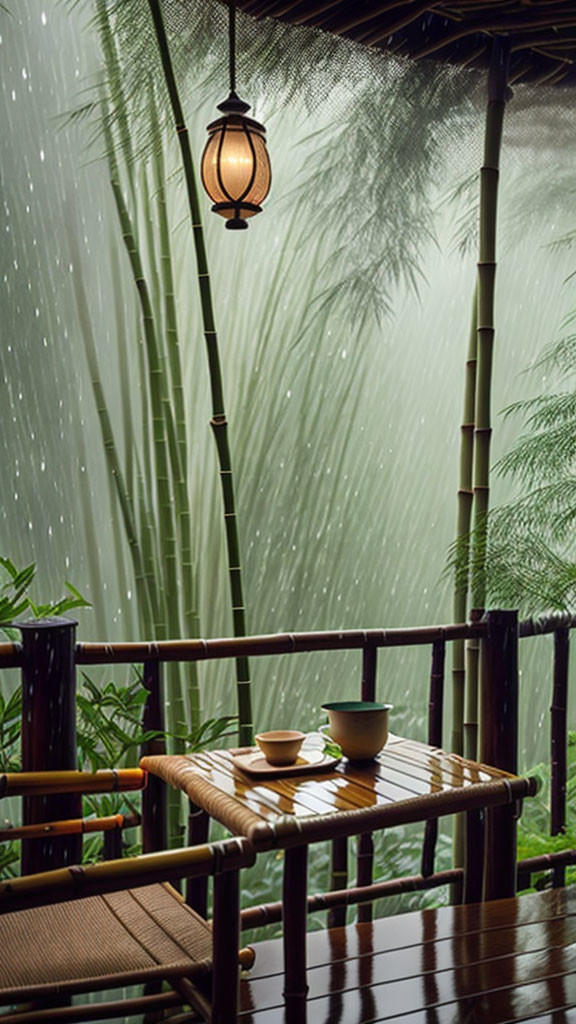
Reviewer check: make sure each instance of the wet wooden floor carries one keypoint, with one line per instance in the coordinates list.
(512, 960)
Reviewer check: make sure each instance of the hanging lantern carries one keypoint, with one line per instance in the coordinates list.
(235, 164)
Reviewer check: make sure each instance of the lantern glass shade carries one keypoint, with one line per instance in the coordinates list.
(236, 168)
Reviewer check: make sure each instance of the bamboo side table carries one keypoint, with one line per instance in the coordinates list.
(408, 782)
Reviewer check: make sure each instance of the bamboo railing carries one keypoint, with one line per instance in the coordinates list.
(498, 633)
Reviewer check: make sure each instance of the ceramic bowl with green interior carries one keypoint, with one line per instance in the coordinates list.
(360, 727)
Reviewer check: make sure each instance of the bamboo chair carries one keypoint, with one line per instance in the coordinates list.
(81, 929)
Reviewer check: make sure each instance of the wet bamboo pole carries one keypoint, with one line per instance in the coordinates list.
(498, 93)
(464, 519)
(218, 421)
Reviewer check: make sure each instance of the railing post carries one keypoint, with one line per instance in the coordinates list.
(435, 718)
(559, 742)
(499, 744)
(365, 854)
(49, 735)
(154, 820)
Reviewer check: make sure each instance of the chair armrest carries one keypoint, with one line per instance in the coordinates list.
(79, 881)
(108, 780)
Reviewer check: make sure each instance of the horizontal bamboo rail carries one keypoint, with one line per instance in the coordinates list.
(282, 643)
(11, 656)
(75, 826)
(546, 861)
(81, 1014)
(546, 624)
(275, 643)
(271, 913)
(108, 780)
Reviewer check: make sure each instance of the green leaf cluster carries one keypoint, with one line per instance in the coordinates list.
(109, 734)
(15, 600)
(531, 556)
(534, 827)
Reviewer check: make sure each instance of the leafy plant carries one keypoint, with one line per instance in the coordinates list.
(534, 826)
(531, 557)
(109, 733)
(15, 600)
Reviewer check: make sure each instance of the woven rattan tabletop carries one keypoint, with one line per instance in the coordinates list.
(409, 781)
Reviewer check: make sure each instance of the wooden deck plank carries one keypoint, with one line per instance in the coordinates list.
(388, 934)
(369, 1006)
(507, 961)
(411, 982)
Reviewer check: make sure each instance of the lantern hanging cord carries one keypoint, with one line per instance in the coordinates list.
(232, 44)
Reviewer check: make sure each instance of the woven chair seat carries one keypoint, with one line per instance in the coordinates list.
(101, 942)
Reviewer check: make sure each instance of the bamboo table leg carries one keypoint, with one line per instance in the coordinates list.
(294, 897)
(500, 872)
(338, 879)
(474, 856)
(197, 888)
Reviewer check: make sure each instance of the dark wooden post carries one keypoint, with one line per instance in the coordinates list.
(294, 899)
(559, 742)
(49, 735)
(154, 819)
(499, 744)
(113, 844)
(369, 661)
(365, 855)
(474, 856)
(226, 941)
(198, 832)
(338, 878)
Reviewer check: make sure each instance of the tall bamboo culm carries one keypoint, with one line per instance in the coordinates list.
(489, 175)
(218, 422)
(464, 520)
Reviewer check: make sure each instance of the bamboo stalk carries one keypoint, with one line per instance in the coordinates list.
(116, 91)
(472, 677)
(497, 97)
(91, 540)
(164, 443)
(218, 421)
(145, 586)
(464, 518)
(177, 434)
(161, 433)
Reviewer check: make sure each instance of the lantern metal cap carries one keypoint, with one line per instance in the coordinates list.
(233, 105)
